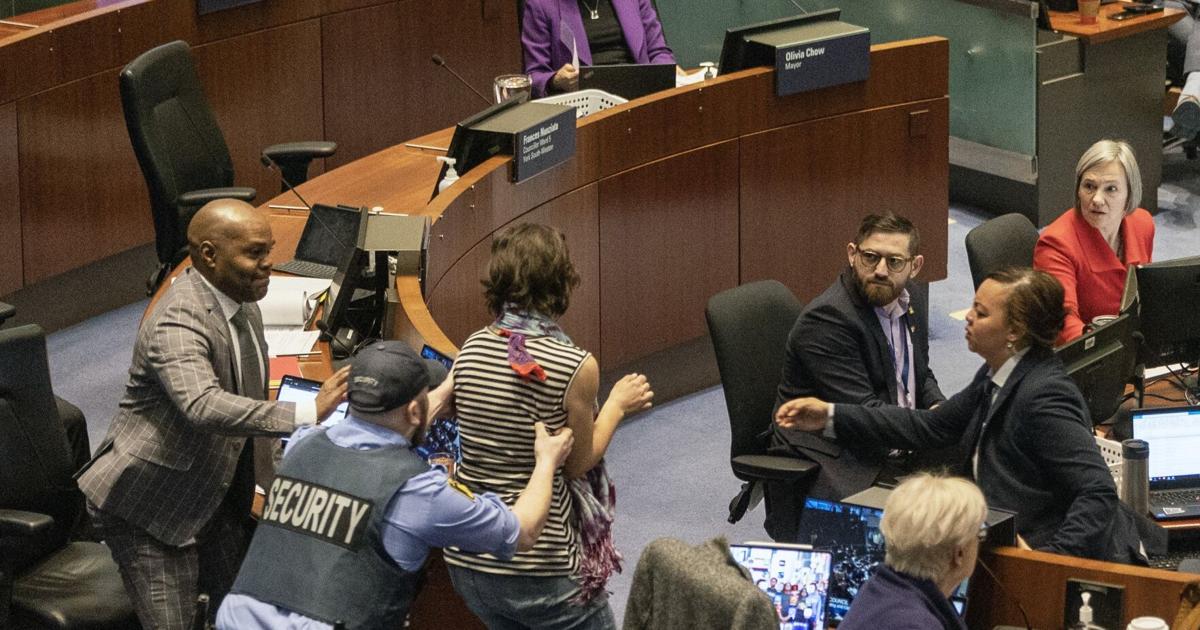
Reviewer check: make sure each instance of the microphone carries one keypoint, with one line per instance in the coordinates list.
(439, 61)
(272, 166)
(1009, 596)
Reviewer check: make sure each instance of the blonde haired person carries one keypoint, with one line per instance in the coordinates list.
(1090, 247)
(932, 525)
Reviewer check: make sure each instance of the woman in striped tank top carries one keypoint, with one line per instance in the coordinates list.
(519, 370)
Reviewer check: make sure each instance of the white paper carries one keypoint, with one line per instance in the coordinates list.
(289, 301)
(689, 79)
(286, 340)
(568, 38)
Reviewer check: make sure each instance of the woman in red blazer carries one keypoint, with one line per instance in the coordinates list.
(1090, 247)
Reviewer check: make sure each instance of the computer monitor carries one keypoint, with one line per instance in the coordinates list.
(355, 283)
(1102, 362)
(794, 577)
(851, 532)
(736, 53)
(469, 148)
(1169, 293)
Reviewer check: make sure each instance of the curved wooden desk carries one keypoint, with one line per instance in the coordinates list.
(672, 198)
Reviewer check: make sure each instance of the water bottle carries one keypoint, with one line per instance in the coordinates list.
(1135, 476)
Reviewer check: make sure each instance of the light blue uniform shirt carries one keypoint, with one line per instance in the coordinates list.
(426, 512)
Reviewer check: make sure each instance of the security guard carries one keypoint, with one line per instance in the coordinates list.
(353, 512)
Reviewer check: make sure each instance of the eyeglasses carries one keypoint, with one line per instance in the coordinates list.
(982, 534)
(870, 260)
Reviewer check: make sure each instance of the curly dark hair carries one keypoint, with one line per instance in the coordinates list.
(530, 269)
(1035, 304)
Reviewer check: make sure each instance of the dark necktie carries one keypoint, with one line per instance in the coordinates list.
(251, 364)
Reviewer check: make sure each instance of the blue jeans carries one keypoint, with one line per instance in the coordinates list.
(515, 602)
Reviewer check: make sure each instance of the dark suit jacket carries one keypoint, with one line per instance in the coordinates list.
(837, 352)
(545, 51)
(898, 601)
(1037, 456)
(172, 449)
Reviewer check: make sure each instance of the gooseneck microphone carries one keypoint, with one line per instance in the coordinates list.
(272, 166)
(439, 61)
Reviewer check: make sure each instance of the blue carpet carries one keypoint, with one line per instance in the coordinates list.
(670, 464)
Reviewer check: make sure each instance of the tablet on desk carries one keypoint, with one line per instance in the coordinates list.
(297, 389)
(628, 80)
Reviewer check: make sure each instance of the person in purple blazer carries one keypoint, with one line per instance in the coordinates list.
(604, 31)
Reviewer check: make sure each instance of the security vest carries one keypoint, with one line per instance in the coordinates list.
(318, 549)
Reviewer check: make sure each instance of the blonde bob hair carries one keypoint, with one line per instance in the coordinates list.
(1105, 151)
(926, 519)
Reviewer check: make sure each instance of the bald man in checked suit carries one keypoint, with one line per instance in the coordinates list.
(171, 487)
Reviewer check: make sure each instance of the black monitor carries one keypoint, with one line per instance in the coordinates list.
(1102, 362)
(468, 148)
(355, 285)
(735, 51)
(1169, 293)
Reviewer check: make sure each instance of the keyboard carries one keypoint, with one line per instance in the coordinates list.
(1171, 560)
(308, 269)
(1175, 497)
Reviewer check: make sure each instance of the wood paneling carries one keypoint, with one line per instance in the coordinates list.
(82, 195)
(264, 89)
(668, 242)
(457, 300)
(806, 187)
(10, 203)
(378, 69)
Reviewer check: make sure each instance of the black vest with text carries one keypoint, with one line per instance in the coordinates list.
(318, 549)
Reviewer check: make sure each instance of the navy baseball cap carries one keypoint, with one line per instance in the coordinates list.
(387, 374)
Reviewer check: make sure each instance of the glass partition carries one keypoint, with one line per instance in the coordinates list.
(993, 70)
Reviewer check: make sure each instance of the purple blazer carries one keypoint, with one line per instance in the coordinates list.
(545, 51)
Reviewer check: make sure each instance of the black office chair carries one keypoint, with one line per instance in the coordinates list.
(181, 150)
(1005, 241)
(45, 581)
(749, 326)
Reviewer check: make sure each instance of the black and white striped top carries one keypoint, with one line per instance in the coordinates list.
(496, 411)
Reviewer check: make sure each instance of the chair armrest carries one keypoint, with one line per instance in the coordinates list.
(196, 198)
(6, 311)
(300, 151)
(773, 467)
(22, 523)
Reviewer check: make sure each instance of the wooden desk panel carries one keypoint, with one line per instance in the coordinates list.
(10, 202)
(77, 168)
(459, 302)
(378, 69)
(668, 242)
(1038, 580)
(275, 99)
(806, 187)
(1105, 29)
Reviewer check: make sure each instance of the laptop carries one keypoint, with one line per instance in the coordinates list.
(1173, 434)
(297, 389)
(329, 233)
(794, 577)
(851, 532)
(628, 80)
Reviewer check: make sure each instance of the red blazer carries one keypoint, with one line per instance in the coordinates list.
(1092, 276)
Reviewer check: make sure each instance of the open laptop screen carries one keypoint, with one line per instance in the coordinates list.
(329, 233)
(296, 389)
(795, 577)
(1173, 434)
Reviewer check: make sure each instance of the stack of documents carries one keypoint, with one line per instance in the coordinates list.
(286, 310)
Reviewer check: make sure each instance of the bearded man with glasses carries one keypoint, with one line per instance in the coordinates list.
(862, 341)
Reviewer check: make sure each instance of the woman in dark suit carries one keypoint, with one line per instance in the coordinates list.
(604, 31)
(1090, 247)
(1034, 452)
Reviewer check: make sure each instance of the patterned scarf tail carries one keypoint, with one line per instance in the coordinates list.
(595, 506)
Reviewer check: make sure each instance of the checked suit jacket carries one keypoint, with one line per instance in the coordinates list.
(172, 450)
